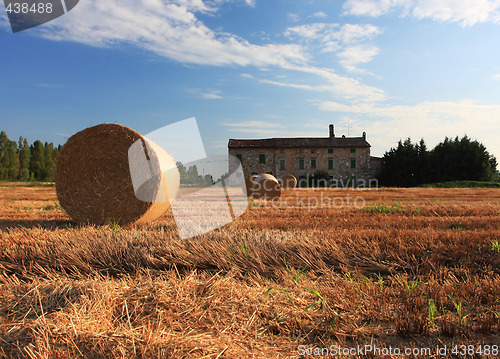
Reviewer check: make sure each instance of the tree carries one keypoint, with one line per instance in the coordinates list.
(20, 161)
(460, 160)
(193, 175)
(423, 174)
(37, 160)
(456, 159)
(9, 162)
(406, 165)
(182, 173)
(208, 179)
(24, 159)
(49, 158)
(496, 177)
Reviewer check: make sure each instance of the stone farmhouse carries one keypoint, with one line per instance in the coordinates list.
(344, 158)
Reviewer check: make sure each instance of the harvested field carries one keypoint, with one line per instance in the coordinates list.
(392, 268)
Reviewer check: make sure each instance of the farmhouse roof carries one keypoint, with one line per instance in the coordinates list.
(311, 142)
(300, 142)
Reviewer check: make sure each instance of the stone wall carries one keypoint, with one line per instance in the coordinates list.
(341, 157)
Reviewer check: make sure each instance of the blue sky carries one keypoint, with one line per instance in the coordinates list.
(259, 68)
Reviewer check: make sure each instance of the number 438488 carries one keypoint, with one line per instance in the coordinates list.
(25, 8)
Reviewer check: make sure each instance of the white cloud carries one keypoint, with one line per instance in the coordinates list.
(465, 12)
(466, 109)
(372, 8)
(318, 30)
(328, 32)
(350, 33)
(347, 40)
(339, 86)
(319, 14)
(293, 17)
(496, 77)
(246, 76)
(217, 3)
(429, 120)
(214, 95)
(206, 94)
(169, 29)
(4, 20)
(355, 55)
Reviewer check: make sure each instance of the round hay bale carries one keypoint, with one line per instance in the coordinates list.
(266, 186)
(94, 182)
(289, 181)
(250, 184)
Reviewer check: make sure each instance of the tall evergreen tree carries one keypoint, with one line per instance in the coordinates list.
(451, 160)
(462, 159)
(4, 141)
(193, 174)
(21, 162)
(24, 160)
(404, 165)
(423, 172)
(182, 173)
(9, 162)
(37, 161)
(49, 157)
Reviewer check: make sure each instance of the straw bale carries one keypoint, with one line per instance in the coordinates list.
(93, 180)
(289, 181)
(250, 184)
(265, 186)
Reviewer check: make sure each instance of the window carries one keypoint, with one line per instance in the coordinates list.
(330, 150)
(262, 158)
(313, 163)
(353, 163)
(353, 150)
(301, 164)
(240, 157)
(330, 164)
(282, 164)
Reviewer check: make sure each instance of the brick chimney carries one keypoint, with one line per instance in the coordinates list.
(332, 133)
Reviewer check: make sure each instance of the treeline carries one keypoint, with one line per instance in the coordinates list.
(412, 164)
(191, 176)
(20, 161)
